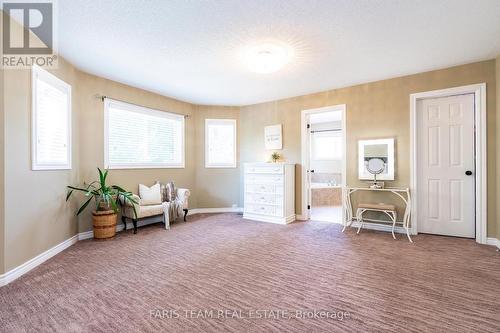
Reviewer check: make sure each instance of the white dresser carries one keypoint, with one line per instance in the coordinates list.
(269, 192)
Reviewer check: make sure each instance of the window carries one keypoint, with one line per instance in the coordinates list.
(327, 146)
(220, 143)
(136, 137)
(51, 121)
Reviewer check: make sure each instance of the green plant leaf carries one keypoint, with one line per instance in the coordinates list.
(105, 176)
(116, 187)
(85, 190)
(113, 205)
(100, 192)
(83, 207)
(101, 177)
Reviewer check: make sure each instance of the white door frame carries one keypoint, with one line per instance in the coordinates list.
(480, 174)
(305, 161)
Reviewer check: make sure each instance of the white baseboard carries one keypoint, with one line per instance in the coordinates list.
(85, 235)
(215, 210)
(493, 241)
(301, 218)
(378, 227)
(39, 259)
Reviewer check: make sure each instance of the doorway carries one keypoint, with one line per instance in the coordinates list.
(448, 162)
(324, 163)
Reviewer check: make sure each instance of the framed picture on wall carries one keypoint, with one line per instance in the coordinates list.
(272, 137)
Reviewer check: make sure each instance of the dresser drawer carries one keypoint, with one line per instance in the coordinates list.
(270, 199)
(263, 209)
(264, 188)
(263, 179)
(264, 169)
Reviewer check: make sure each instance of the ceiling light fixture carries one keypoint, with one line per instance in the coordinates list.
(267, 57)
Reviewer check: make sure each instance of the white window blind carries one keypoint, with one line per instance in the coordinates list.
(139, 137)
(51, 121)
(327, 146)
(220, 143)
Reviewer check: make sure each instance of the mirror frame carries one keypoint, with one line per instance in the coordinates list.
(365, 175)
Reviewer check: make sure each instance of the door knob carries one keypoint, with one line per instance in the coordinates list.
(468, 172)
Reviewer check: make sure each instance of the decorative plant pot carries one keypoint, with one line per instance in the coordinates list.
(104, 224)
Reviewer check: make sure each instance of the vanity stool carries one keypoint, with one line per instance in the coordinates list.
(389, 210)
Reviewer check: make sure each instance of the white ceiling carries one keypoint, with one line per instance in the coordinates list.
(189, 50)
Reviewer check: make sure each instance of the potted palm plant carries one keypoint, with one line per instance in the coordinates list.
(107, 199)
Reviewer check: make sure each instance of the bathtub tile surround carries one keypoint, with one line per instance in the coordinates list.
(326, 196)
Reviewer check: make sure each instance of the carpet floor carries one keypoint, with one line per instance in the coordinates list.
(220, 273)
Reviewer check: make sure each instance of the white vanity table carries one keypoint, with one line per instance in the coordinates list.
(402, 193)
(376, 162)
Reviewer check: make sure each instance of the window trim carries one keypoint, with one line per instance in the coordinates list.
(148, 111)
(39, 73)
(235, 149)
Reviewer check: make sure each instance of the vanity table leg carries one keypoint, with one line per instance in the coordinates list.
(359, 217)
(407, 229)
(408, 234)
(393, 217)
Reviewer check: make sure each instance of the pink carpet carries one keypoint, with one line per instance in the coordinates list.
(222, 273)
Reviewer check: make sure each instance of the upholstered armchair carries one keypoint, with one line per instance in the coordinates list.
(169, 210)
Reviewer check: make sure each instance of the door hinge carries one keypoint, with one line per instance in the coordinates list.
(308, 206)
(308, 126)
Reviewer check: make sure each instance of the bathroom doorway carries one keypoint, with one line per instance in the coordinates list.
(324, 163)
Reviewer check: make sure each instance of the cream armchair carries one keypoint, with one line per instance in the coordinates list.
(169, 211)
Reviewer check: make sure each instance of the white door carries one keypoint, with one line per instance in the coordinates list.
(445, 138)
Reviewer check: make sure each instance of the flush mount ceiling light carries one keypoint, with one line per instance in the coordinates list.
(268, 57)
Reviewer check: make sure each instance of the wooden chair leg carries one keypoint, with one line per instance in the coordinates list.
(134, 221)
(185, 213)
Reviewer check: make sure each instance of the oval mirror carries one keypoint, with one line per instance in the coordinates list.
(375, 165)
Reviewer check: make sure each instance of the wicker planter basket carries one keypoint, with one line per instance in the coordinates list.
(104, 224)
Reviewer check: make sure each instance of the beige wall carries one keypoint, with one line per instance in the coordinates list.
(91, 122)
(215, 187)
(2, 161)
(36, 214)
(498, 145)
(374, 110)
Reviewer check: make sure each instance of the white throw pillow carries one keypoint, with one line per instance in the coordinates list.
(150, 195)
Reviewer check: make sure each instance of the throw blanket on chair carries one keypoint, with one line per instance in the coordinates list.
(172, 211)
